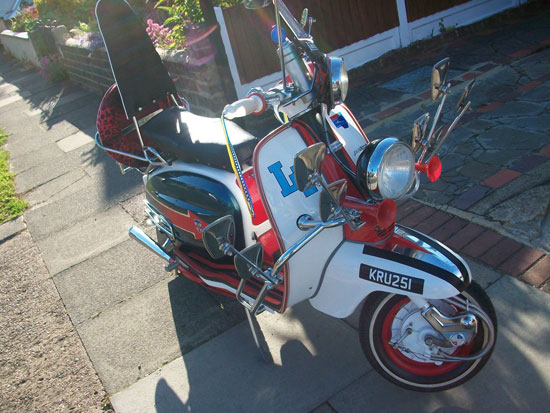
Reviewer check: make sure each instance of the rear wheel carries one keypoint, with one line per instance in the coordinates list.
(404, 358)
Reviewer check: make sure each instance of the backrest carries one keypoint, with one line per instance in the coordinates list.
(137, 68)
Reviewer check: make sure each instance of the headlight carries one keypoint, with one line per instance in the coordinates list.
(338, 81)
(385, 169)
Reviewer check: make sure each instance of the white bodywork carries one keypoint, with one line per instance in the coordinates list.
(342, 289)
(306, 267)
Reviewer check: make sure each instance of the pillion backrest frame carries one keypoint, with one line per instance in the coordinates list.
(138, 71)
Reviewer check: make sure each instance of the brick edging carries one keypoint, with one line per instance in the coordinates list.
(491, 248)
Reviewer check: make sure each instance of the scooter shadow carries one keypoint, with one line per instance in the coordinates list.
(314, 356)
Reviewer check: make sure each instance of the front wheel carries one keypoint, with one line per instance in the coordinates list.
(405, 358)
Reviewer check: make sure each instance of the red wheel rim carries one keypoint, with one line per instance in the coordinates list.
(407, 364)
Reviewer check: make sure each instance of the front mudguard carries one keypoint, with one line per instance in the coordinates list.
(409, 263)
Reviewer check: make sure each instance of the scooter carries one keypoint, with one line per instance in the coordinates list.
(305, 213)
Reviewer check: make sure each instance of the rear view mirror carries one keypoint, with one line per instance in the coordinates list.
(439, 78)
(419, 131)
(254, 254)
(332, 199)
(303, 20)
(464, 97)
(308, 163)
(219, 236)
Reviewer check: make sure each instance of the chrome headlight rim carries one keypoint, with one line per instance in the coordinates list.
(339, 81)
(372, 162)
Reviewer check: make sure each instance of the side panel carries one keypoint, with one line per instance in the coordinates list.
(227, 179)
(409, 264)
(273, 165)
(191, 201)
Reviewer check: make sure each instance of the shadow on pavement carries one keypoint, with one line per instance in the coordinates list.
(64, 109)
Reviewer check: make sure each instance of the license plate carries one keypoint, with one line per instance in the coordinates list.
(391, 279)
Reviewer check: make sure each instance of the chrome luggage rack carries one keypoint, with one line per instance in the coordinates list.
(150, 155)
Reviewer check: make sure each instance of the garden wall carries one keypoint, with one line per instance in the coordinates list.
(19, 46)
(197, 80)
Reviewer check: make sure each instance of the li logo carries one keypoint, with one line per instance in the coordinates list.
(287, 187)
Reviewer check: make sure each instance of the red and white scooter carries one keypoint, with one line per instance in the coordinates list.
(305, 213)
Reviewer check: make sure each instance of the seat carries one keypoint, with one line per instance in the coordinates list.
(144, 85)
(197, 139)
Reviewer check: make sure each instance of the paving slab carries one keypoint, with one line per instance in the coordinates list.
(44, 173)
(20, 76)
(10, 100)
(30, 159)
(75, 141)
(11, 228)
(59, 188)
(52, 107)
(24, 137)
(62, 212)
(106, 173)
(7, 88)
(516, 378)
(314, 356)
(114, 276)
(133, 338)
(416, 81)
(90, 237)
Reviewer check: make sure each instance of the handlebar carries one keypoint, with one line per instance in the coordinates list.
(254, 103)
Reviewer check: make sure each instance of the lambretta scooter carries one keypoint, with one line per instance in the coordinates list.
(305, 213)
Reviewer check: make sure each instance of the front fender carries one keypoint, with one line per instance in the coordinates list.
(409, 263)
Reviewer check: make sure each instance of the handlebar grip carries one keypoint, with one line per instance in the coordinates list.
(243, 107)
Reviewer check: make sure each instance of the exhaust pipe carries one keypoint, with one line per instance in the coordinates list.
(138, 234)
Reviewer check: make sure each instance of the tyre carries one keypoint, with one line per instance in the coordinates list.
(385, 317)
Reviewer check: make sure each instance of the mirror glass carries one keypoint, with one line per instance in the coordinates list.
(464, 97)
(329, 201)
(307, 163)
(303, 20)
(217, 234)
(254, 254)
(439, 78)
(418, 131)
(256, 4)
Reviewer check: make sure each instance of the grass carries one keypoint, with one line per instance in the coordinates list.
(10, 206)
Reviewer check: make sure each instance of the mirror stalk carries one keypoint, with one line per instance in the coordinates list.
(453, 125)
(428, 140)
(280, 41)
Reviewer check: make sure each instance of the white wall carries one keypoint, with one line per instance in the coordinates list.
(19, 46)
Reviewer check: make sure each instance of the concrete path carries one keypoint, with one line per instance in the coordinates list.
(161, 343)
(318, 359)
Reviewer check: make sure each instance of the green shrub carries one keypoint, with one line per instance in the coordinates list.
(25, 20)
(67, 12)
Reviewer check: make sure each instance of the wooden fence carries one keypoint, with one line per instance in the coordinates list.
(357, 30)
(416, 9)
(249, 30)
